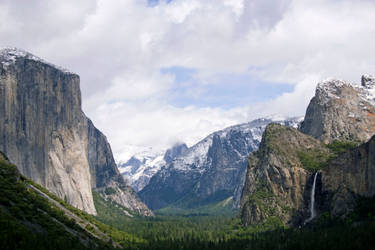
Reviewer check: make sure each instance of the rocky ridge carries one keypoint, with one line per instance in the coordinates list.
(211, 171)
(276, 179)
(280, 174)
(45, 133)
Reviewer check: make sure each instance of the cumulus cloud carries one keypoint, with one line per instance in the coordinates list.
(120, 48)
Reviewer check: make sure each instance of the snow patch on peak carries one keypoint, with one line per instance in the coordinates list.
(196, 157)
(331, 89)
(330, 84)
(139, 169)
(368, 88)
(368, 81)
(9, 56)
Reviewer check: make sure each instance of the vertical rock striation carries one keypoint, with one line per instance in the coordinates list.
(45, 133)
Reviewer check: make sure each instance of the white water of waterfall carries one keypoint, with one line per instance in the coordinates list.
(312, 201)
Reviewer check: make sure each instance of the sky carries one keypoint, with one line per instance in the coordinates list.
(154, 73)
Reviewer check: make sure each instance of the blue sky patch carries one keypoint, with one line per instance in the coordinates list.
(221, 90)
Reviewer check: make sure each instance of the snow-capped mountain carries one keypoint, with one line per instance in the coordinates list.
(341, 110)
(210, 171)
(139, 169)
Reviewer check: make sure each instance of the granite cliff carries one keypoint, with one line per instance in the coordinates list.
(342, 111)
(346, 179)
(281, 173)
(45, 133)
(278, 174)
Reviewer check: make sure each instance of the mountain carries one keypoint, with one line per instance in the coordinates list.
(296, 176)
(210, 172)
(342, 111)
(139, 169)
(278, 174)
(44, 131)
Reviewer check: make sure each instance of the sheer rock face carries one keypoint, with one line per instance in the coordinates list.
(45, 133)
(341, 111)
(276, 185)
(348, 177)
(211, 171)
(106, 175)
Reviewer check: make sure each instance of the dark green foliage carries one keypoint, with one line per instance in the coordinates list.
(365, 210)
(225, 232)
(200, 232)
(109, 191)
(338, 147)
(218, 204)
(109, 211)
(316, 160)
(313, 160)
(29, 221)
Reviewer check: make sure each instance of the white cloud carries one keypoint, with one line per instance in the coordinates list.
(159, 126)
(118, 48)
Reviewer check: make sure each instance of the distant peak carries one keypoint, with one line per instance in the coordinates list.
(9, 55)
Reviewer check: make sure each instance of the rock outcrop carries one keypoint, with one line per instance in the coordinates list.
(342, 111)
(278, 180)
(45, 133)
(350, 176)
(281, 173)
(211, 171)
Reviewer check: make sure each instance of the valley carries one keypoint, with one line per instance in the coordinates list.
(294, 183)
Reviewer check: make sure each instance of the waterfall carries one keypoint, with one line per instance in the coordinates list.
(312, 200)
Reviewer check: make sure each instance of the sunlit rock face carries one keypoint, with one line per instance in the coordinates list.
(45, 133)
(278, 185)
